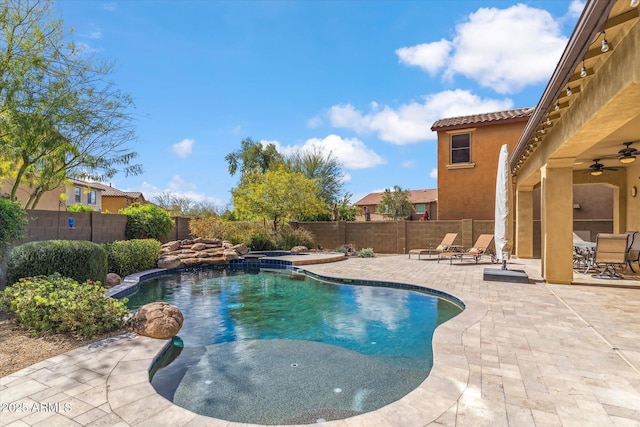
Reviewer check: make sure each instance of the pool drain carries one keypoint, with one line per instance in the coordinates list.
(294, 365)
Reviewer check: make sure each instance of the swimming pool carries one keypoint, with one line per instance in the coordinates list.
(278, 347)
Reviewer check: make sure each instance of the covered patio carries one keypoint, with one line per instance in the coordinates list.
(584, 130)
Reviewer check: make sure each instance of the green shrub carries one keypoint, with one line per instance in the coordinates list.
(366, 253)
(342, 250)
(77, 259)
(13, 221)
(260, 240)
(287, 237)
(147, 222)
(57, 304)
(77, 207)
(131, 256)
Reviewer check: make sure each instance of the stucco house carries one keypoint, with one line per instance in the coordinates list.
(422, 200)
(113, 199)
(468, 149)
(80, 192)
(590, 111)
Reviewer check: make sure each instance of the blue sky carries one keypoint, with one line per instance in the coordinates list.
(364, 80)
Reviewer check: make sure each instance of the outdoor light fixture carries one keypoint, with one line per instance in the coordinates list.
(634, 3)
(628, 158)
(596, 172)
(536, 139)
(583, 70)
(548, 121)
(557, 107)
(568, 91)
(605, 45)
(542, 131)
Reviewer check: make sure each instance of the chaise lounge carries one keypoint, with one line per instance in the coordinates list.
(479, 249)
(445, 245)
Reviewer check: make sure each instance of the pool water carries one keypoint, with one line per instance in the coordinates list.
(278, 347)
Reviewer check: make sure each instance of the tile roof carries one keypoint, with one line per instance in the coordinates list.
(519, 114)
(415, 196)
(108, 190)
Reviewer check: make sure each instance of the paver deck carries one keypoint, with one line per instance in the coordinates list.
(532, 354)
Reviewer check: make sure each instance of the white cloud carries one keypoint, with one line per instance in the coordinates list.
(346, 177)
(183, 148)
(434, 173)
(410, 123)
(314, 122)
(431, 57)
(109, 6)
(408, 164)
(179, 187)
(351, 152)
(507, 49)
(502, 49)
(575, 8)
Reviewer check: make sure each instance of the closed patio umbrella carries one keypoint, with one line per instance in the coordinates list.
(502, 229)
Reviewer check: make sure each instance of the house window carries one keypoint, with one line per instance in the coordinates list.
(420, 208)
(76, 193)
(461, 148)
(91, 197)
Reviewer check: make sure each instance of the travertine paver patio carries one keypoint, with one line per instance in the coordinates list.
(519, 355)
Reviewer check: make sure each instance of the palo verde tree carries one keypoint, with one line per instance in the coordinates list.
(277, 194)
(60, 115)
(395, 203)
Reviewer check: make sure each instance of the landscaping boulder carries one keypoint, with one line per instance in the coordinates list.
(299, 249)
(170, 261)
(112, 280)
(157, 320)
(241, 249)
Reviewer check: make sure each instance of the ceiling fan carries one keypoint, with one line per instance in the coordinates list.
(627, 154)
(597, 168)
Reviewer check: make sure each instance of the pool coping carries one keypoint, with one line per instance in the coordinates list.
(445, 384)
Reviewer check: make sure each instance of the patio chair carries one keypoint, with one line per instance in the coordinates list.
(611, 254)
(633, 253)
(480, 248)
(445, 245)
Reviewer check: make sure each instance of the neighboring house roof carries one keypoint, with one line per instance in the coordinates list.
(93, 185)
(415, 196)
(109, 191)
(484, 119)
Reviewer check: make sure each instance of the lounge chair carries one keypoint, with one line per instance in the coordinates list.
(480, 248)
(445, 245)
(611, 254)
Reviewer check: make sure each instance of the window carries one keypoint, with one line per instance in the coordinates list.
(91, 197)
(461, 148)
(420, 208)
(76, 193)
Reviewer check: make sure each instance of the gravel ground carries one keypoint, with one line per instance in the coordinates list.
(19, 349)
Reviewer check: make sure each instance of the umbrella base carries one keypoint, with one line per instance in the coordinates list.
(499, 275)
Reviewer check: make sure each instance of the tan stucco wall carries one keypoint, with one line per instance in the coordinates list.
(633, 203)
(113, 204)
(470, 192)
(49, 201)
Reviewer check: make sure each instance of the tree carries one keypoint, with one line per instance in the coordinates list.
(395, 204)
(179, 205)
(346, 210)
(60, 116)
(253, 157)
(325, 169)
(277, 194)
(13, 221)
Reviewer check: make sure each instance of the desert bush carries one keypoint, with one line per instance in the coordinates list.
(57, 304)
(131, 256)
(147, 221)
(13, 221)
(287, 237)
(77, 259)
(365, 253)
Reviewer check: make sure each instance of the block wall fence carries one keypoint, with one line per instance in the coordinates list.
(388, 237)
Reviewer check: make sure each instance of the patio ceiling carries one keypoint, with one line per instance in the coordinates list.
(576, 129)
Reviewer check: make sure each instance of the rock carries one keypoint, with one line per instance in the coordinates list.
(231, 254)
(197, 247)
(171, 246)
(241, 249)
(112, 280)
(299, 249)
(169, 261)
(157, 320)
